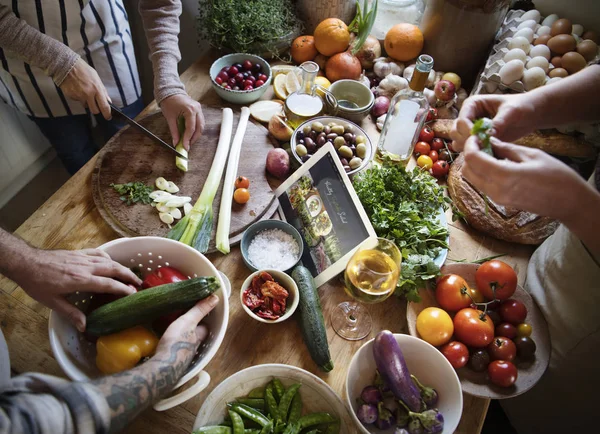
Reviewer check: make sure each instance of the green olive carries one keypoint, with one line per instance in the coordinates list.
(361, 139)
(338, 129)
(306, 130)
(301, 150)
(317, 126)
(355, 163)
(338, 142)
(345, 152)
(361, 150)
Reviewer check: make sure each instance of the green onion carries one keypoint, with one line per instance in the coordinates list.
(180, 162)
(195, 228)
(224, 222)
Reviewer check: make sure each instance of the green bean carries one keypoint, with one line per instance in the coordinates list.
(238, 422)
(332, 428)
(251, 431)
(278, 388)
(249, 413)
(259, 392)
(315, 419)
(313, 431)
(258, 404)
(296, 408)
(292, 428)
(286, 400)
(213, 430)
(279, 428)
(267, 429)
(271, 402)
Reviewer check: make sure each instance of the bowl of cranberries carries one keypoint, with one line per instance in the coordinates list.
(240, 78)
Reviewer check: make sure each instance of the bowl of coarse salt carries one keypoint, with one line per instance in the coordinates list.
(271, 244)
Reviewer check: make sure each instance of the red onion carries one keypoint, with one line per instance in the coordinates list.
(381, 106)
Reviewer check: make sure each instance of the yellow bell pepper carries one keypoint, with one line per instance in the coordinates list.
(123, 350)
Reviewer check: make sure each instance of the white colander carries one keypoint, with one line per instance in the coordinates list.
(77, 357)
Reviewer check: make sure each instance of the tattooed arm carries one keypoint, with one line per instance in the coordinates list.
(130, 392)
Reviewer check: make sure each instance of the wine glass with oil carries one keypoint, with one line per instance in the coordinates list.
(370, 277)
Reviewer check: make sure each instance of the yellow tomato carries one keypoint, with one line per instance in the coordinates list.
(435, 326)
(524, 330)
(425, 162)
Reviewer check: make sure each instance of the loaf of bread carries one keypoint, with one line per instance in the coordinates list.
(500, 222)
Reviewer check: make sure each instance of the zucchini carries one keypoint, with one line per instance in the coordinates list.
(312, 323)
(149, 304)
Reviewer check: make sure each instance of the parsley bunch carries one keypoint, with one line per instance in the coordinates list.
(133, 192)
(403, 206)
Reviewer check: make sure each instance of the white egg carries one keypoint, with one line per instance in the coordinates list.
(519, 42)
(539, 62)
(533, 14)
(543, 30)
(515, 53)
(577, 29)
(553, 80)
(540, 50)
(511, 72)
(534, 77)
(537, 27)
(527, 33)
(529, 24)
(549, 20)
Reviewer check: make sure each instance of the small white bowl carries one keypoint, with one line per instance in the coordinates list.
(425, 362)
(284, 280)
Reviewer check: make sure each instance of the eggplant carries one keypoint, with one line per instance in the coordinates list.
(385, 418)
(371, 395)
(400, 431)
(367, 413)
(392, 368)
(428, 394)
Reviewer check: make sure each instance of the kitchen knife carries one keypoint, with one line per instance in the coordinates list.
(147, 132)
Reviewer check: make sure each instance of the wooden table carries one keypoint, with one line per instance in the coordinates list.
(70, 220)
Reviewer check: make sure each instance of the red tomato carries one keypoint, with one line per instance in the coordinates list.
(440, 168)
(432, 115)
(507, 330)
(513, 311)
(422, 148)
(433, 155)
(163, 275)
(502, 373)
(426, 134)
(456, 353)
(502, 348)
(473, 328)
(496, 279)
(452, 292)
(437, 144)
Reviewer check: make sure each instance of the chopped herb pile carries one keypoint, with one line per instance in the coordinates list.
(134, 192)
(404, 207)
(482, 129)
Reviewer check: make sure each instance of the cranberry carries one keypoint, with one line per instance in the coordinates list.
(218, 80)
(256, 67)
(247, 65)
(228, 87)
(252, 78)
(232, 71)
(248, 83)
(262, 77)
(231, 82)
(246, 74)
(236, 88)
(249, 87)
(225, 69)
(224, 76)
(239, 77)
(224, 84)
(259, 83)
(238, 66)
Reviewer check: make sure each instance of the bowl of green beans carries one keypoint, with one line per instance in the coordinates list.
(273, 398)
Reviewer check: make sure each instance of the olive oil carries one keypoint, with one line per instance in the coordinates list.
(304, 103)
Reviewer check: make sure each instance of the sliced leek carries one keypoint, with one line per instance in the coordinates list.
(224, 222)
(161, 183)
(180, 162)
(196, 227)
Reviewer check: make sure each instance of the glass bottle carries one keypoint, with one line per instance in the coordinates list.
(304, 103)
(392, 12)
(405, 117)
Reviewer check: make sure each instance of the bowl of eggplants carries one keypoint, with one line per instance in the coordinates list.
(399, 384)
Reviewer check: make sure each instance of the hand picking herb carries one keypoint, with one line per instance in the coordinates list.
(134, 192)
(482, 129)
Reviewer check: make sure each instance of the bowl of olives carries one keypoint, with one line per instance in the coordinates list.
(351, 142)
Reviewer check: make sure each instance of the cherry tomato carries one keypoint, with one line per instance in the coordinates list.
(433, 155)
(242, 182)
(241, 195)
(476, 295)
(496, 279)
(513, 311)
(479, 360)
(426, 134)
(495, 317)
(451, 292)
(424, 162)
(502, 373)
(456, 353)
(444, 154)
(525, 347)
(473, 328)
(440, 168)
(432, 115)
(524, 330)
(435, 326)
(437, 144)
(422, 148)
(507, 330)
(502, 348)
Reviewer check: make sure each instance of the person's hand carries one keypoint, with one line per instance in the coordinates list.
(523, 178)
(513, 117)
(49, 275)
(84, 85)
(182, 105)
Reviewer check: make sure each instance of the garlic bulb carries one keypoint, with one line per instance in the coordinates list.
(391, 85)
(384, 66)
(380, 121)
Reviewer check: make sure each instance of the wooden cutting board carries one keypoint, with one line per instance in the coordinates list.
(130, 156)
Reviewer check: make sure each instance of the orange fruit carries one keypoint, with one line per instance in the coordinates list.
(303, 49)
(343, 65)
(332, 36)
(403, 42)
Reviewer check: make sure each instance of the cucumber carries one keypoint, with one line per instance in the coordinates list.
(149, 304)
(311, 319)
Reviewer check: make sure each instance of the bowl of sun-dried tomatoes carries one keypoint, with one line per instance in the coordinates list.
(269, 296)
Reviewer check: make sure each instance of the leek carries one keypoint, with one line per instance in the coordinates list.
(196, 227)
(227, 195)
(180, 162)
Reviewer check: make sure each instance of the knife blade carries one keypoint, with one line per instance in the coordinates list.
(147, 132)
